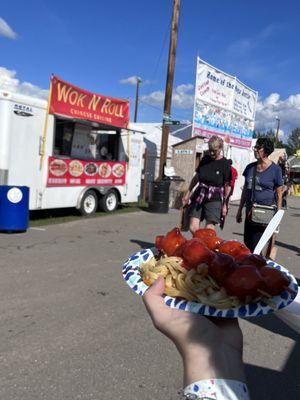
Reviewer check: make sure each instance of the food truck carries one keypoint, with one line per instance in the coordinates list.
(294, 176)
(73, 151)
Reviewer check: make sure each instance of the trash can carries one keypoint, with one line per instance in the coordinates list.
(176, 192)
(160, 197)
(14, 208)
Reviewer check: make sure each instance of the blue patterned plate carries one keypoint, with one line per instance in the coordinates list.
(131, 274)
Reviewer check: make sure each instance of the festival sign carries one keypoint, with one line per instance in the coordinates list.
(74, 172)
(70, 101)
(223, 106)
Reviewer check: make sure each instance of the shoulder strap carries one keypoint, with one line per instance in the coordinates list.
(253, 184)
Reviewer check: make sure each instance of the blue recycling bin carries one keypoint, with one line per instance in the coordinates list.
(14, 208)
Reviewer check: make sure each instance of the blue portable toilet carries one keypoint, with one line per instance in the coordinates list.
(14, 208)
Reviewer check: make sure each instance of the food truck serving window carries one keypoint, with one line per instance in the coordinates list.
(63, 138)
(84, 141)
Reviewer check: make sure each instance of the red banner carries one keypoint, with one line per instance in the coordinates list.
(70, 101)
(71, 172)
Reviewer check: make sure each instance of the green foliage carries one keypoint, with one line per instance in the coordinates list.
(270, 134)
(294, 140)
(291, 145)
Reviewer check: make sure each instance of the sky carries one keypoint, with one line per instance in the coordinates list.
(104, 46)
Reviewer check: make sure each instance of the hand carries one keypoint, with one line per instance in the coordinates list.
(185, 199)
(210, 347)
(239, 218)
(224, 210)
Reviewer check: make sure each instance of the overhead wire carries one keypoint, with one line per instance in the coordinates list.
(162, 50)
(176, 115)
(168, 28)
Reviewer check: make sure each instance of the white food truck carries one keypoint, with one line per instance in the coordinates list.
(73, 151)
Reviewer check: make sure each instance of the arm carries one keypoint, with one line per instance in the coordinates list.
(227, 189)
(226, 199)
(227, 193)
(187, 195)
(279, 191)
(241, 206)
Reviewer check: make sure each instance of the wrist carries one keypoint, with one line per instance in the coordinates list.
(197, 366)
(202, 364)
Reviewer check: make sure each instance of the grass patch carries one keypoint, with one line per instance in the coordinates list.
(61, 215)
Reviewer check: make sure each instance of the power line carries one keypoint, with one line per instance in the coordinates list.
(162, 50)
(176, 115)
(151, 105)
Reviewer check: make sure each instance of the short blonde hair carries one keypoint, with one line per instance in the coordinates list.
(215, 143)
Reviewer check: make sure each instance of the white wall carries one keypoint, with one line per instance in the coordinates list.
(240, 159)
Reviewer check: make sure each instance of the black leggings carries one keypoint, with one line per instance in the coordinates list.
(252, 234)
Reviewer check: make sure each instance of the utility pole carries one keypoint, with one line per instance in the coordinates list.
(169, 87)
(138, 81)
(277, 131)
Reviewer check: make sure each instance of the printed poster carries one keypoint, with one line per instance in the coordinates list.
(223, 106)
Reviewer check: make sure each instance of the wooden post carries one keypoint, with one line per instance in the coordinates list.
(145, 175)
(169, 87)
(271, 249)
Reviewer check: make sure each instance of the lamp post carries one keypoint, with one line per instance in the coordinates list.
(277, 130)
(138, 81)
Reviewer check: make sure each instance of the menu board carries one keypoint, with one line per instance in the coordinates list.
(75, 172)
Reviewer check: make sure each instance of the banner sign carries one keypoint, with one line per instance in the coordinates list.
(70, 101)
(71, 172)
(223, 106)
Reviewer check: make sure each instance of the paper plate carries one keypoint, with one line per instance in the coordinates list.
(131, 274)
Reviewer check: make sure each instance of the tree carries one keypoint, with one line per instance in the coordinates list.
(294, 140)
(269, 134)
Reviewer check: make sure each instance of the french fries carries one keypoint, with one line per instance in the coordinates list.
(193, 285)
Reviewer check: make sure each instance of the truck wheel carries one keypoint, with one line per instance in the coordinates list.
(89, 203)
(109, 201)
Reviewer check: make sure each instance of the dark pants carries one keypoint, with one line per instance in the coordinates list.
(284, 202)
(252, 234)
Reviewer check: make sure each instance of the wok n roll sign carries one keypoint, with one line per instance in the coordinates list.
(71, 101)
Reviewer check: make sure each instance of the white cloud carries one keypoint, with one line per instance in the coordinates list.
(244, 45)
(181, 98)
(131, 80)
(288, 111)
(9, 82)
(5, 30)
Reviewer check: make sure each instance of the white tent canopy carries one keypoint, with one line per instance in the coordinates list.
(152, 137)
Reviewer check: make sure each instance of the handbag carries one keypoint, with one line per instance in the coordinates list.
(260, 214)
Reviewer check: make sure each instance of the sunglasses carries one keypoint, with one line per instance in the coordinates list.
(257, 148)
